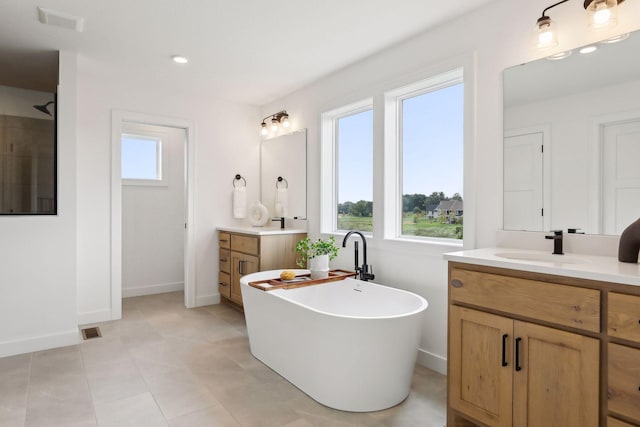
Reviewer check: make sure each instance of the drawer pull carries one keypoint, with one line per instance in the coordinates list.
(518, 367)
(504, 349)
(222, 284)
(223, 260)
(456, 283)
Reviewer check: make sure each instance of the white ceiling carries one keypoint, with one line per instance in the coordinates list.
(249, 51)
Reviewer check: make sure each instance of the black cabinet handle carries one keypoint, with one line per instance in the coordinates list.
(504, 349)
(518, 367)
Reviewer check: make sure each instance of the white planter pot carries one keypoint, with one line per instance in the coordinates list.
(319, 266)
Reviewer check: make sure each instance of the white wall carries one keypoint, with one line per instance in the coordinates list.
(153, 218)
(38, 253)
(226, 142)
(500, 36)
(19, 102)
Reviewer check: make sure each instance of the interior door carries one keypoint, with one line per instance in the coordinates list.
(621, 175)
(555, 370)
(523, 182)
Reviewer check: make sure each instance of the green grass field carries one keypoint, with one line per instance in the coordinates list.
(423, 227)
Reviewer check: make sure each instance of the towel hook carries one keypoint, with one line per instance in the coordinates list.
(280, 179)
(239, 177)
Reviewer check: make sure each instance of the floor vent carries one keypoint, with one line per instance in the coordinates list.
(89, 333)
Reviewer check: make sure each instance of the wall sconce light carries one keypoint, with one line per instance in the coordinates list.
(277, 119)
(601, 14)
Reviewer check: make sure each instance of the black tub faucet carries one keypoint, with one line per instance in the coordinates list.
(557, 242)
(364, 271)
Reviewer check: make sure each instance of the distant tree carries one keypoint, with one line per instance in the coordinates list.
(344, 208)
(413, 201)
(362, 208)
(456, 196)
(435, 198)
(417, 214)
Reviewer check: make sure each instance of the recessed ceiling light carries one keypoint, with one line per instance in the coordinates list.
(179, 59)
(560, 55)
(616, 39)
(588, 49)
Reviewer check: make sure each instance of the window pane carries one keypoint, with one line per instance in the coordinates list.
(140, 158)
(432, 162)
(355, 171)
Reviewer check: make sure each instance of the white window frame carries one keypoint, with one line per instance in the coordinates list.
(393, 152)
(329, 178)
(161, 157)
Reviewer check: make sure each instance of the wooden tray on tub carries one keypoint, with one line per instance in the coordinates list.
(301, 280)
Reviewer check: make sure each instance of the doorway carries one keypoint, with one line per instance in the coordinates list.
(139, 274)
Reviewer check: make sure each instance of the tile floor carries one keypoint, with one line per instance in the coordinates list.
(164, 365)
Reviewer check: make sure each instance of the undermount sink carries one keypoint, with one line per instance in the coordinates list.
(541, 257)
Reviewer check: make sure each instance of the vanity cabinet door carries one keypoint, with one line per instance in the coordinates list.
(624, 381)
(242, 264)
(556, 378)
(480, 365)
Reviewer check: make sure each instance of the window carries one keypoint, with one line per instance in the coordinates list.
(141, 159)
(347, 172)
(428, 124)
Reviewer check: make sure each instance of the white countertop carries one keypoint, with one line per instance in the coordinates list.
(607, 269)
(262, 231)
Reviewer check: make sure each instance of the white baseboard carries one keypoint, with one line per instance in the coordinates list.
(152, 289)
(207, 300)
(432, 361)
(44, 342)
(94, 317)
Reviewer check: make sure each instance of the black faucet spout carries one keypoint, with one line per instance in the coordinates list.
(362, 271)
(557, 242)
(281, 219)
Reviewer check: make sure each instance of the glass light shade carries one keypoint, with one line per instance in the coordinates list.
(545, 34)
(274, 124)
(602, 14)
(285, 122)
(264, 130)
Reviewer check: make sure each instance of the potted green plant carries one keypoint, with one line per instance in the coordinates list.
(316, 255)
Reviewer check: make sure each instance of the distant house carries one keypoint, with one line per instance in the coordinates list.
(452, 209)
(430, 212)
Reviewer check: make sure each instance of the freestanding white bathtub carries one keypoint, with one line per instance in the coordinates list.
(350, 345)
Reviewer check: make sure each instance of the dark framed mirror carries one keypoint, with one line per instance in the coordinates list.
(28, 135)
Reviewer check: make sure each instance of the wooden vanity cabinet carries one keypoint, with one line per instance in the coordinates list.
(515, 356)
(241, 254)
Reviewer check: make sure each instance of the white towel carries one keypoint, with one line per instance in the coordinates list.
(282, 202)
(240, 202)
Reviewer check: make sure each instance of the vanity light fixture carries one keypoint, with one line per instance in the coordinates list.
(601, 15)
(558, 56)
(277, 119)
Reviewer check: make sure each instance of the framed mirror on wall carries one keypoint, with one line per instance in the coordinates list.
(572, 140)
(28, 140)
(283, 175)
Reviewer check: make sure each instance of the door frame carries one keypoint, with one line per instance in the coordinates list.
(118, 117)
(596, 145)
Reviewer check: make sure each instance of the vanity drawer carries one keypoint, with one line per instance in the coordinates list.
(225, 260)
(551, 302)
(224, 284)
(245, 244)
(624, 381)
(224, 240)
(624, 316)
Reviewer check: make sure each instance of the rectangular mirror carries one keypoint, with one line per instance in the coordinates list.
(27, 152)
(572, 140)
(283, 178)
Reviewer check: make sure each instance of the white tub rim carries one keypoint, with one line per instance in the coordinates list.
(277, 293)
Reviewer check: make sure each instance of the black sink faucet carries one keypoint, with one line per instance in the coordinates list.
(281, 219)
(363, 272)
(557, 242)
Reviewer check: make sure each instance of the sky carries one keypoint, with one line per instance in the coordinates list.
(432, 131)
(139, 157)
